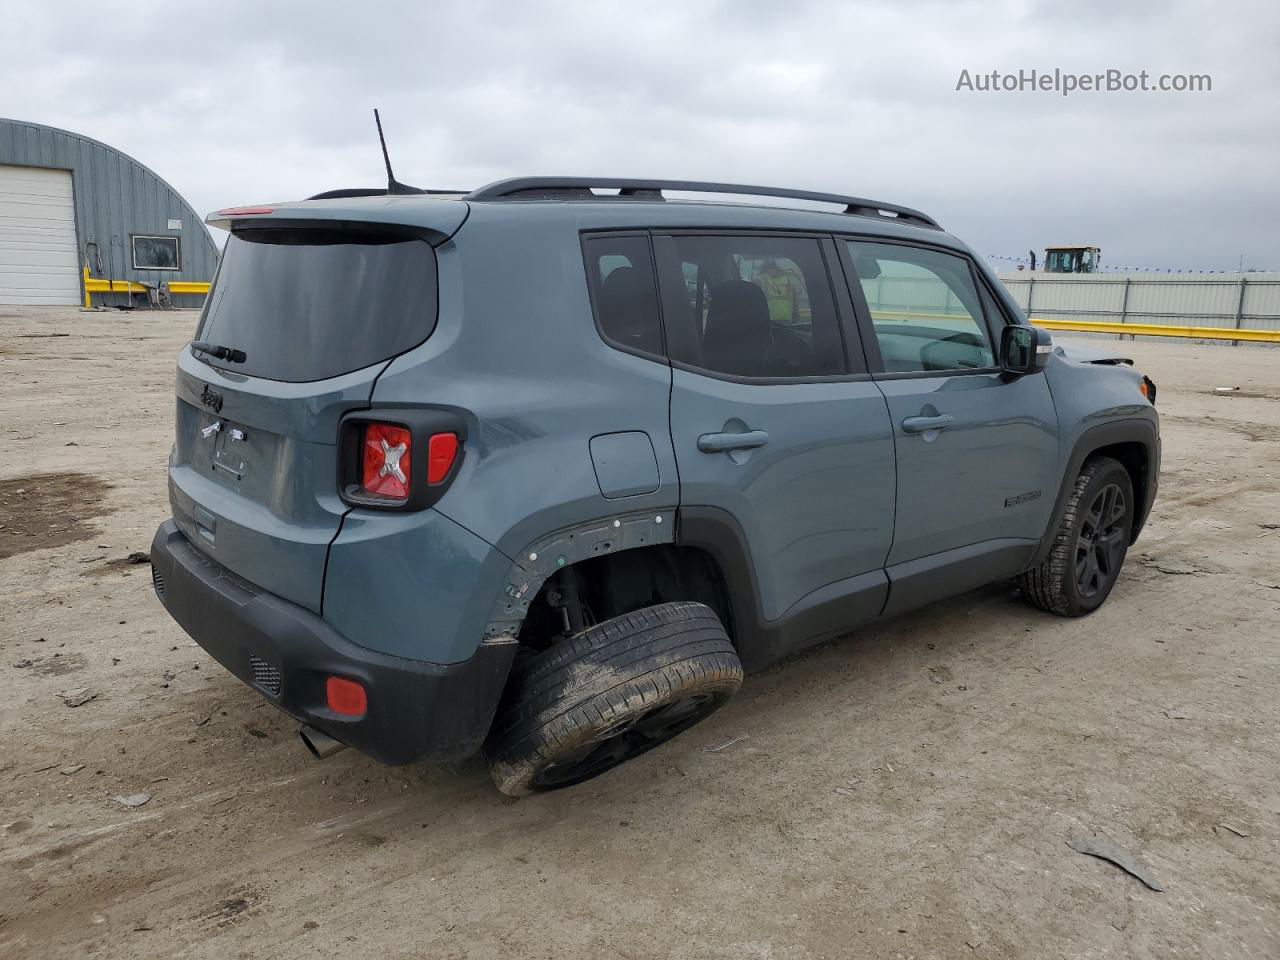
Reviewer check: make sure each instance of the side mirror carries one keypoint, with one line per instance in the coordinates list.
(1024, 349)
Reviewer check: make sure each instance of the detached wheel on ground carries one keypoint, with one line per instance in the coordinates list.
(609, 693)
(1090, 545)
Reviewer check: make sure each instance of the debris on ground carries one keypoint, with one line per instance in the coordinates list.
(1172, 567)
(1177, 714)
(940, 674)
(1094, 845)
(727, 743)
(1225, 389)
(78, 698)
(121, 564)
(70, 769)
(132, 800)
(1236, 830)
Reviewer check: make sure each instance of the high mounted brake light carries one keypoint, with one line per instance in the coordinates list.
(244, 211)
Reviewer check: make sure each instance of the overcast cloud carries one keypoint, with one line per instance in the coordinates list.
(244, 102)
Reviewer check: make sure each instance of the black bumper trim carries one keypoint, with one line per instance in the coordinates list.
(417, 710)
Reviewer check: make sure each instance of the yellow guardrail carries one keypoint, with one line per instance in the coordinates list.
(94, 285)
(1097, 326)
(184, 286)
(1160, 330)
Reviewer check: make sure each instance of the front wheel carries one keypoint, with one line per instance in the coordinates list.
(1090, 544)
(609, 693)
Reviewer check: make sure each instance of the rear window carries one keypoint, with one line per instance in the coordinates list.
(312, 304)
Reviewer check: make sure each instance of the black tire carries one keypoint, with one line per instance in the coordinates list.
(610, 693)
(1090, 544)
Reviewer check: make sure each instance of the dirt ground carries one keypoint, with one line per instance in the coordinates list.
(908, 792)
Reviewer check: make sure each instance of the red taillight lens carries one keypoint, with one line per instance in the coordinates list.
(244, 211)
(442, 448)
(385, 462)
(346, 697)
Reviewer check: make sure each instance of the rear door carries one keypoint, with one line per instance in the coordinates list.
(318, 311)
(976, 450)
(773, 418)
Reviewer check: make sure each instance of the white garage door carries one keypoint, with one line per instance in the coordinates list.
(38, 258)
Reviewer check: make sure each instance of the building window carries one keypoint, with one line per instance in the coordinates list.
(155, 253)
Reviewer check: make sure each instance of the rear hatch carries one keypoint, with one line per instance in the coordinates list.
(318, 309)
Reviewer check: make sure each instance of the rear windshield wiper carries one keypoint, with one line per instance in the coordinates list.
(219, 352)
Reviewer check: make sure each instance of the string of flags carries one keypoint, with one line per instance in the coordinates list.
(1116, 268)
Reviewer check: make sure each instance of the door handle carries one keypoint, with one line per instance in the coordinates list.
(925, 424)
(723, 442)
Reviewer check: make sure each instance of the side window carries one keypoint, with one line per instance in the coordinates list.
(623, 293)
(995, 313)
(747, 306)
(925, 310)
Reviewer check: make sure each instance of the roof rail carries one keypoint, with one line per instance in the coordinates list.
(551, 188)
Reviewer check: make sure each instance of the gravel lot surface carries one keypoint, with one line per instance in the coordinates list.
(907, 792)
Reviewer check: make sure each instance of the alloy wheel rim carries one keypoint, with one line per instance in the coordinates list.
(1101, 543)
(627, 738)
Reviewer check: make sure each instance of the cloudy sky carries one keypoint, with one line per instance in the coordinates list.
(239, 102)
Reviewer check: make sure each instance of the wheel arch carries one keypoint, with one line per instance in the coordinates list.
(1135, 444)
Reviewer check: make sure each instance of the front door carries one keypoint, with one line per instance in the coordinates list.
(976, 449)
(775, 422)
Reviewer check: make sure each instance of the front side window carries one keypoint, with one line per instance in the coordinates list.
(924, 308)
(756, 307)
(155, 253)
(623, 293)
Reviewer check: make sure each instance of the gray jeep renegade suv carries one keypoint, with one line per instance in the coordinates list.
(540, 471)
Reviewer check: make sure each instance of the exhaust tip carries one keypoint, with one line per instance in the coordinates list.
(321, 745)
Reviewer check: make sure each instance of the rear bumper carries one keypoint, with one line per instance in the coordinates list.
(416, 710)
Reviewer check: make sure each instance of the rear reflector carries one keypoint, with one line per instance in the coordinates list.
(441, 451)
(387, 453)
(346, 697)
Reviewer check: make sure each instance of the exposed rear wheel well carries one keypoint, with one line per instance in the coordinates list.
(1133, 456)
(600, 588)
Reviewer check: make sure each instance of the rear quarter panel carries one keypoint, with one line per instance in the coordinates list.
(517, 353)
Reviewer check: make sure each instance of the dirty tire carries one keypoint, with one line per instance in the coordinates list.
(610, 693)
(1066, 583)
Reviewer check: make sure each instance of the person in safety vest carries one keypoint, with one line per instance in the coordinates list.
(782, 289)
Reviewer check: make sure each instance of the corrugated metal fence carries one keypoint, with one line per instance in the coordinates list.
(1245, 301)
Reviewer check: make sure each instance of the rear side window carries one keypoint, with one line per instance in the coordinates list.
(924, 308)
(313, 304)
(750, 306)
(623, 293)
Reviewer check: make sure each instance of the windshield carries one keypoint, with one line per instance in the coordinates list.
(315, 303)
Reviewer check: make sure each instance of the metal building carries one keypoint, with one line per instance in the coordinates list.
(68, 202)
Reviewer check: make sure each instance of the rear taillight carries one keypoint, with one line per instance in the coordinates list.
(387, 462)
(401, 464)
(442, 450)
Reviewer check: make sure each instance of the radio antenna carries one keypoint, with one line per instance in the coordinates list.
(393, 185)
